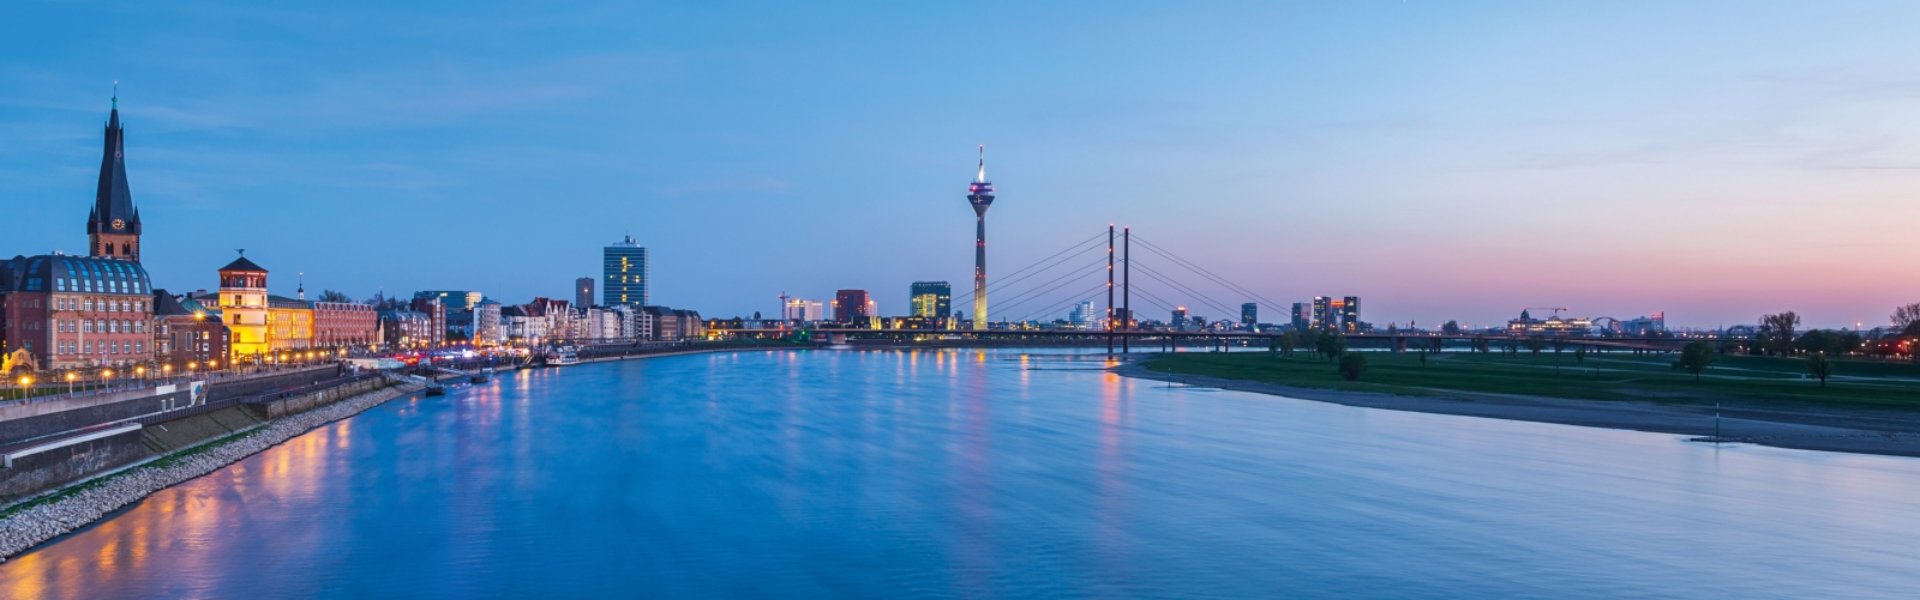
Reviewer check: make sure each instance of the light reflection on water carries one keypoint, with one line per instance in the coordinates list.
(971, 474)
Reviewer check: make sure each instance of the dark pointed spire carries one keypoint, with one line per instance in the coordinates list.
(113, 200)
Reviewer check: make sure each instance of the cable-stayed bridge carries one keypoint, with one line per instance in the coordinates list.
(1113, 268)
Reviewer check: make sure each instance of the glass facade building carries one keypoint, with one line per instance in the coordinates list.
(931, 299)
(623, 277)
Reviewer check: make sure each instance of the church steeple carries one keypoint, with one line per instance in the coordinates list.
(113, 226)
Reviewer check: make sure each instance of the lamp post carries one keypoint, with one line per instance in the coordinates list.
(106, 379)
(70, 377)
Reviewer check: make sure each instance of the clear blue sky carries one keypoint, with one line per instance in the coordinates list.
(1441, 159)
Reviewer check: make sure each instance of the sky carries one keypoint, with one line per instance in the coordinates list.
(1442, 160)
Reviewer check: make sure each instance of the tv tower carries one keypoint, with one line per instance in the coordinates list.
(980, 195)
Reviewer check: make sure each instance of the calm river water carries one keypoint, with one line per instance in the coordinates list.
(982, 474)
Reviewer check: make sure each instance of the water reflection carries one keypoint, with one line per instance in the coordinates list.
(972, 473)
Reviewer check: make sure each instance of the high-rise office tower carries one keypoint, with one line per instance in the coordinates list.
(852, 307)
(623, 276)
(583, 292)
(1323, 315)
(1350, 314)
(931, 299)
(1082, 316)
(1249, 315)
(980, 195)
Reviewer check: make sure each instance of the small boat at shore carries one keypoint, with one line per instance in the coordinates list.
(563, 358)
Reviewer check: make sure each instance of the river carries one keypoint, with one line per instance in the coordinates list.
(993, 473)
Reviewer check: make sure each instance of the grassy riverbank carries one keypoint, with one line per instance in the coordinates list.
(1608, 377)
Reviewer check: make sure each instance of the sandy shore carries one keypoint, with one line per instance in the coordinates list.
(1866, 430)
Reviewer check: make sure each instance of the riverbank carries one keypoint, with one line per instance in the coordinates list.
(1799, 425)
(41, 520)
(664, 354)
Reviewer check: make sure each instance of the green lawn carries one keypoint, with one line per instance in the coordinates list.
(1608, 377)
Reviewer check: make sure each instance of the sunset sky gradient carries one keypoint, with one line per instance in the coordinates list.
(1714, 160)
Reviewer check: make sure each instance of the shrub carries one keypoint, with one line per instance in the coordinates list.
(1352, 365)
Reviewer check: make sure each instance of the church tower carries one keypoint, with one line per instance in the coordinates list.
(113, 227)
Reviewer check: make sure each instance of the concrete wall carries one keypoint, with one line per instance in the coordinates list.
(173, 435)
(222, 390)
(305, 402)
(15, 430)
(45, 405)
(34, 473)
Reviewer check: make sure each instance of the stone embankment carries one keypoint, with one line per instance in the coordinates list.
(30, 526)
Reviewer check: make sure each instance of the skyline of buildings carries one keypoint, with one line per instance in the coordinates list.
(540, 170)
(115, 225)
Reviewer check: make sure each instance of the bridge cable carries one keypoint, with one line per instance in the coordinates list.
(1162, 304)
(1038, 287)
(1017, 276)
(1071, 301)
(1203, 272)
(1038, 291)
(1166, 279)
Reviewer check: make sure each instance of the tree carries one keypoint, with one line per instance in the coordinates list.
(1450, 328)
(1818, 341)
(1423, 358)
(1580, 354)
(1850, 341)
(1288, 341)
(1819, 366)
(1776, 332)
(1352, 365)
(334, 296)
(1535, 344)
(1331, 345)
(1906, 318)
(1695, 357)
